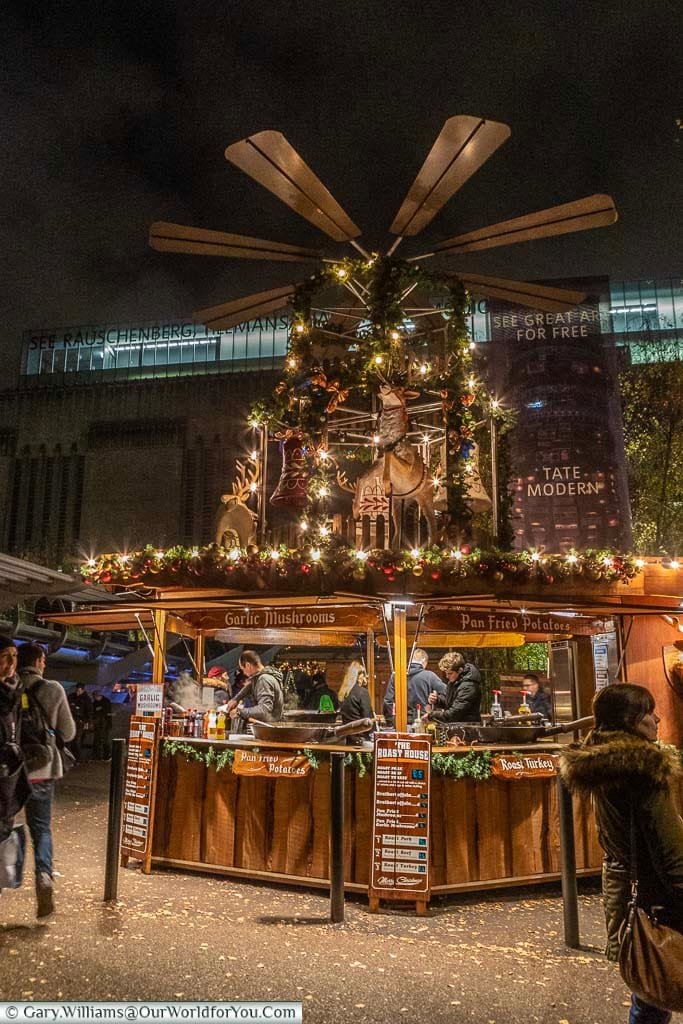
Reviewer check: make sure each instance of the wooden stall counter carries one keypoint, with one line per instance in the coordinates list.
(485, 833)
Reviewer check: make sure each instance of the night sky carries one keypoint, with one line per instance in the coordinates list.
(116, 114)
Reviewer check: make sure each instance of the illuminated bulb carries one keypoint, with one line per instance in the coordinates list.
(315, 554)
(91, 563)
(469, 468)
(572, 559)
(253, 487)
(379, 360)
(194, 553)
(674, 564)
(535, 557)
(423, 369)
(254, 456)
(471, 382)
(522, 611)
(640, 562)
(436, 481)
(158, 555)
(607, 561)
(324, 492)
(495, 404)
(472, 346)
(124, 559)
(234, 554)
(456, 554)
(415, 553)
(291, 363)
(425, 439)
(324, 531)
(375, 439)
(324, 454)
(394, 335)
(299, 328)
(274, 555)
(254, 424)
(361, 556)
(303, 525)
(341, 273)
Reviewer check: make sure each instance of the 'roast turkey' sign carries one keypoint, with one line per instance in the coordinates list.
(524, 766)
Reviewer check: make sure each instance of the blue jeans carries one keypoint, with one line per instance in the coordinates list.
(645, 1013)
(38, 812)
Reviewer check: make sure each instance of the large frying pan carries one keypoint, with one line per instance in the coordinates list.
(283, 732)
(515, 733)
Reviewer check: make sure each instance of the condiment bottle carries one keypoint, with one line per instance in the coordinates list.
(211, 728)
(497, 707)
(524, 708)
(220, 725)
(418, 724)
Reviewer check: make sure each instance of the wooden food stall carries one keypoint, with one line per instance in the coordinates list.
(267, 816)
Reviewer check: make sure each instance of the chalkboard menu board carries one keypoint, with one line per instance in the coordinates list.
(400, 842)
(138, 794)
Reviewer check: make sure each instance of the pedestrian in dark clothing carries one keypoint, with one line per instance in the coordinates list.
(102, 722)
(629, 777)
(539, 699)
(321, 697)
(462, 699)
(81, 710)
(421, 682)
(50, 698)
(14, 785)
(355, 699)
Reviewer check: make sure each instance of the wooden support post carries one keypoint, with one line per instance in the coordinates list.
(370, 666)
(199, 655)
(159, 660)
(400, 668)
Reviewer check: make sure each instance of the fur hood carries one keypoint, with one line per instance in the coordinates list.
(617, 759)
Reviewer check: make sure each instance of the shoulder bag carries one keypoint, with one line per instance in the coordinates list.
(650, 953)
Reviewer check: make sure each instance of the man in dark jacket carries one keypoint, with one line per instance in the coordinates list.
(102, 722)
(263, 689)
(421, 682)
(462, 700)
(539, 699)
(81, 710)
(14, 785)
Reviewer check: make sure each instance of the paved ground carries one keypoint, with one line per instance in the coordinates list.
(492, 960)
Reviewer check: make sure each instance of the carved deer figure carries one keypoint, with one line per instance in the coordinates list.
(235, 523)
(400, 468)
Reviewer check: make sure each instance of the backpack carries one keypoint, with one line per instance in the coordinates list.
(36, 734)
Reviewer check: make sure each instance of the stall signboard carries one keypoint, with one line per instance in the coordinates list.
(479, 620)
(306, 617)
(138, 794)
(149, 699)
(400, 834)
(270, 765)
(524, 766)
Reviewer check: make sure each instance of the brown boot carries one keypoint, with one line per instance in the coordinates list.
(44, 895)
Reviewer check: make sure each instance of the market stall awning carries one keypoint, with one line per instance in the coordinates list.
(20, 579)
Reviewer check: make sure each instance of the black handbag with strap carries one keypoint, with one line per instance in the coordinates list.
(650, 952)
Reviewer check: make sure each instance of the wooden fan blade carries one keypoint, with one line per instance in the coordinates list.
(592, 212)
(536, 296)
(229, 314)
(165, 237)
(463, 145)
(268, 158)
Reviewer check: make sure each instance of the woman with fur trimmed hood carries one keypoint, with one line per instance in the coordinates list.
(622, 768)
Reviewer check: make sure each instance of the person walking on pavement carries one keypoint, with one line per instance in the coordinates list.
(50, 698)
(81, 710)
(632, 784)
(421, 682)
(102, 719)
(15, 786)
(462, 699)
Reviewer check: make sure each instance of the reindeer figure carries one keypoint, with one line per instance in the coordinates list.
(235, 523)
(400, 469)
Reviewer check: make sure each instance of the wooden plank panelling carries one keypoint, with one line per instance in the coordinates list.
(218, 818)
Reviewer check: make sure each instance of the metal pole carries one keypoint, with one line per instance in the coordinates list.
(494, 480)
(116, 778)
(336, 837)
(263, 493)
(570, 900)
(400, 669)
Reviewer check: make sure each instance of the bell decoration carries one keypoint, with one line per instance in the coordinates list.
(292, 487)
(477, 498)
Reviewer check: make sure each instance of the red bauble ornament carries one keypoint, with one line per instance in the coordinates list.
(466, 549)
(435, 574)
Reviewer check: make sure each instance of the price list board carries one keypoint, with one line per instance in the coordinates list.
(139, 787)
(400, 840)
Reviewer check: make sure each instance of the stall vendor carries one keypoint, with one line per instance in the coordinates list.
(539, 699)
(462, 700)
(421, 683)
(263, 689)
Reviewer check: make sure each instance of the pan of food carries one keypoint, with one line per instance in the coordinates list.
(512, 733)
(300, 717)
(283, 732)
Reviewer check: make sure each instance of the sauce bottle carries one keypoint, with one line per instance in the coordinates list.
(220, 725)
(497, 707)
(524, 708)
(211, 726)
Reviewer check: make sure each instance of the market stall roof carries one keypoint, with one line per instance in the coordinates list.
(20, 579)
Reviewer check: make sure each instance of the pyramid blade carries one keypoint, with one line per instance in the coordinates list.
(268, 158)
(229, 314)
(521, 293)
(165, 237)
(592, 212)
(463, 145)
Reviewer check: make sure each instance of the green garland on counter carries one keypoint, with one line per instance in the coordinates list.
(211, 758)
(474, 765)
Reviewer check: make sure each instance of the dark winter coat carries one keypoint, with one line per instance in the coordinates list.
(620, 772)
(540, 703)
(356, 704)
(421, 682)
(462, 700)
(14, 784)
(264, 691)
(314, 696)
(81, 706)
